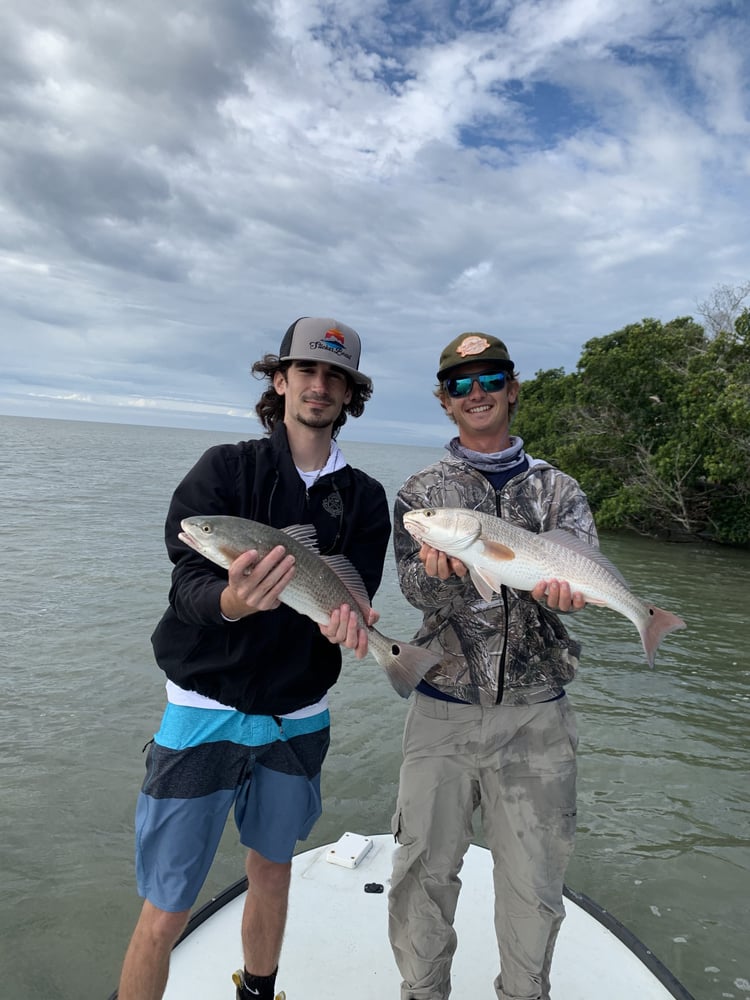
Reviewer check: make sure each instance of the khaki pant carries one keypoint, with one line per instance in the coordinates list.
(517, 764)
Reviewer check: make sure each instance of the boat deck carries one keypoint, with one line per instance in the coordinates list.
(336, 945)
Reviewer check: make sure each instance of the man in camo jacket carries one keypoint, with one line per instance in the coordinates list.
(490, 727)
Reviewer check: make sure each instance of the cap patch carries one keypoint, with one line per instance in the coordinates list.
(470, 346)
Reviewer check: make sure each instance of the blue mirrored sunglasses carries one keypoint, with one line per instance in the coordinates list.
(487, 381)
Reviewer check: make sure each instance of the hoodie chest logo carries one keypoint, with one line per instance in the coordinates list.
(333, 504)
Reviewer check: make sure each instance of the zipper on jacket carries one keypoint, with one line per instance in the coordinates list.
(271, 496)
(501, 677)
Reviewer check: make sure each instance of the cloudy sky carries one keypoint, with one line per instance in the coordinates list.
(180, 181)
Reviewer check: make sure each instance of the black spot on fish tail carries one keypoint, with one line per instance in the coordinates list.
(406, 665)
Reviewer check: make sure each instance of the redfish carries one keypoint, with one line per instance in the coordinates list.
(319, 585)
(498, 553)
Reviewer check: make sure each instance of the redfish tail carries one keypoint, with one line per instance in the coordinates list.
(659, 624)
(404, 664)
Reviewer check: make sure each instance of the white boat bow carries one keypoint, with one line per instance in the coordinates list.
(336, 943)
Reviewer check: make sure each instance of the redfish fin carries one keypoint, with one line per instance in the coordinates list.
(660, 623)
(305, 534)
(351, 579)
(496, 550)
(486, 584)
(344, 570)
(404, 664)
(560, 536)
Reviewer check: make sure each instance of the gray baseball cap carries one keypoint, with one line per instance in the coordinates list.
(313, 339)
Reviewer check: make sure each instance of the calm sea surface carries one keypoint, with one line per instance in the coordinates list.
(663, 841)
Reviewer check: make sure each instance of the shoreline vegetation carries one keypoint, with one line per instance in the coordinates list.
(654, 423)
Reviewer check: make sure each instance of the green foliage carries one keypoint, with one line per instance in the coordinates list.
(655, 425)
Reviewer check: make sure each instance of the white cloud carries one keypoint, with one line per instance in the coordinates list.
(181, 181)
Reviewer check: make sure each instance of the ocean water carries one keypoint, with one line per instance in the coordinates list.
(663, 839)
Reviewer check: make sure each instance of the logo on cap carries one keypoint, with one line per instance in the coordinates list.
(334, 340)
(470, 346)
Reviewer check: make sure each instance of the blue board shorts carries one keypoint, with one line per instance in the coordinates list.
(203, 762)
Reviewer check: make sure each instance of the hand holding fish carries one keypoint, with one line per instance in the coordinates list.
(255, 583)
(558, 595)
(440, 564)
(344, 629)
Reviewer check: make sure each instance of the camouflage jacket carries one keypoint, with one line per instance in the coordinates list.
(511, 649)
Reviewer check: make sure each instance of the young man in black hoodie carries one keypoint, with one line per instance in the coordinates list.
(246, 724)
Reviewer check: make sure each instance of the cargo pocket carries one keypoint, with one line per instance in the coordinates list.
(568, 717)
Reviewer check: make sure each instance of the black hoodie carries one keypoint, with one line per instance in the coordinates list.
(272, 662)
